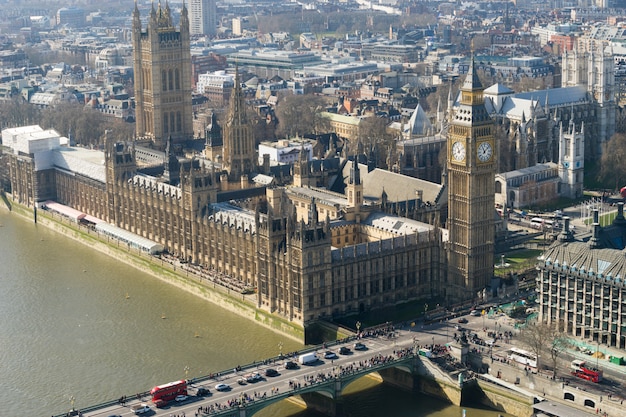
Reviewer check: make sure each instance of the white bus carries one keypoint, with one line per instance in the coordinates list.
(524, 357)
(538, 223)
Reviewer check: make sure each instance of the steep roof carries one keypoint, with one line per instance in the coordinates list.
(398, 187)
(498, 89)
(419, 124)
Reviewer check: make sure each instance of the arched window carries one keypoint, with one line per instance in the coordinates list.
(164, 80)
(165, 124)
(568, 396)
(179, 122)
(171, 80)
(177, 75)
(498, 187)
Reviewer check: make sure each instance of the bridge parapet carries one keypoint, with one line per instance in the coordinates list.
(330, 385)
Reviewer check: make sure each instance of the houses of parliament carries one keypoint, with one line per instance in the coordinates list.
(351, 239)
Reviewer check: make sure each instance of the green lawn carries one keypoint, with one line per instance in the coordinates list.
(519, 261)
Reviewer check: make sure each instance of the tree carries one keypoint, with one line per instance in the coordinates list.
(300, 115)
(545, 338)
(18, 112)
(612, 167)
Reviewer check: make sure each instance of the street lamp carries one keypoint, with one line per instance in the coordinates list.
(72, 400)
(186, 372)
(358, 328)
(280, 349)
(433, 345)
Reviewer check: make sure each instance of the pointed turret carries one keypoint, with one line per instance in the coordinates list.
(472, 82)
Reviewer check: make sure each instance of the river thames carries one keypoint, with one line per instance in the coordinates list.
(79, 327)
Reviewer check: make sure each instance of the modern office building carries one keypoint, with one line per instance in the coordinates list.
(202, 17)
(580, 285)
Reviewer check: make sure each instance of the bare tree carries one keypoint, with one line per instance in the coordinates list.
(545, 338)
(18, 112)
(612, 167)
(535, 336)
(301, 114)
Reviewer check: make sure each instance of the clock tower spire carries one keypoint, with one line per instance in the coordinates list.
(471, 162)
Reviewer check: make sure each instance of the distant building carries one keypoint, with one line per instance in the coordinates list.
(216, 86)
(202, 17)
(286, 151)
(71, 16)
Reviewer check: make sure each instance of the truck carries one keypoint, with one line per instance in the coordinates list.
(308, 358)
(582, 370)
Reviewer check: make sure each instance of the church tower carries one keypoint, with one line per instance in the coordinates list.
(571, 160)
(239, 153)
(602, 85)
(471, 160)
(162, 66)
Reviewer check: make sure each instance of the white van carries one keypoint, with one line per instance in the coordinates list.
(308, 358)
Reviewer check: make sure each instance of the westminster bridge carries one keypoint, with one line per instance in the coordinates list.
(392, 356)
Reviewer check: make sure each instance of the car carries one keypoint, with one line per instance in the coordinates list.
(181, 398)
(344, 350)
(222, 387)
(474, 313)
(458, 327)
(463, 320)
(271, 372)
(140, 408)
(241, 381)
(160, 403)
(359, 346)
(201, 392)
(254, 377)
(291, 365)
(330, 355)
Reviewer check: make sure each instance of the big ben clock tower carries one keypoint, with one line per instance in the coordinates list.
(471, 178)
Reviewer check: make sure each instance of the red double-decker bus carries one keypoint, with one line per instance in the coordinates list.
(169, 391)
(584, 371)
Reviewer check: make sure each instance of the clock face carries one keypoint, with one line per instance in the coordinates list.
(458, 151)
(484, 151)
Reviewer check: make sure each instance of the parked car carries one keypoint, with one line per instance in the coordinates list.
(222, 387)
(291, 365)
(359, 346)
(271, 372)
(344, 350)
(330, 355)
(181, 398)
